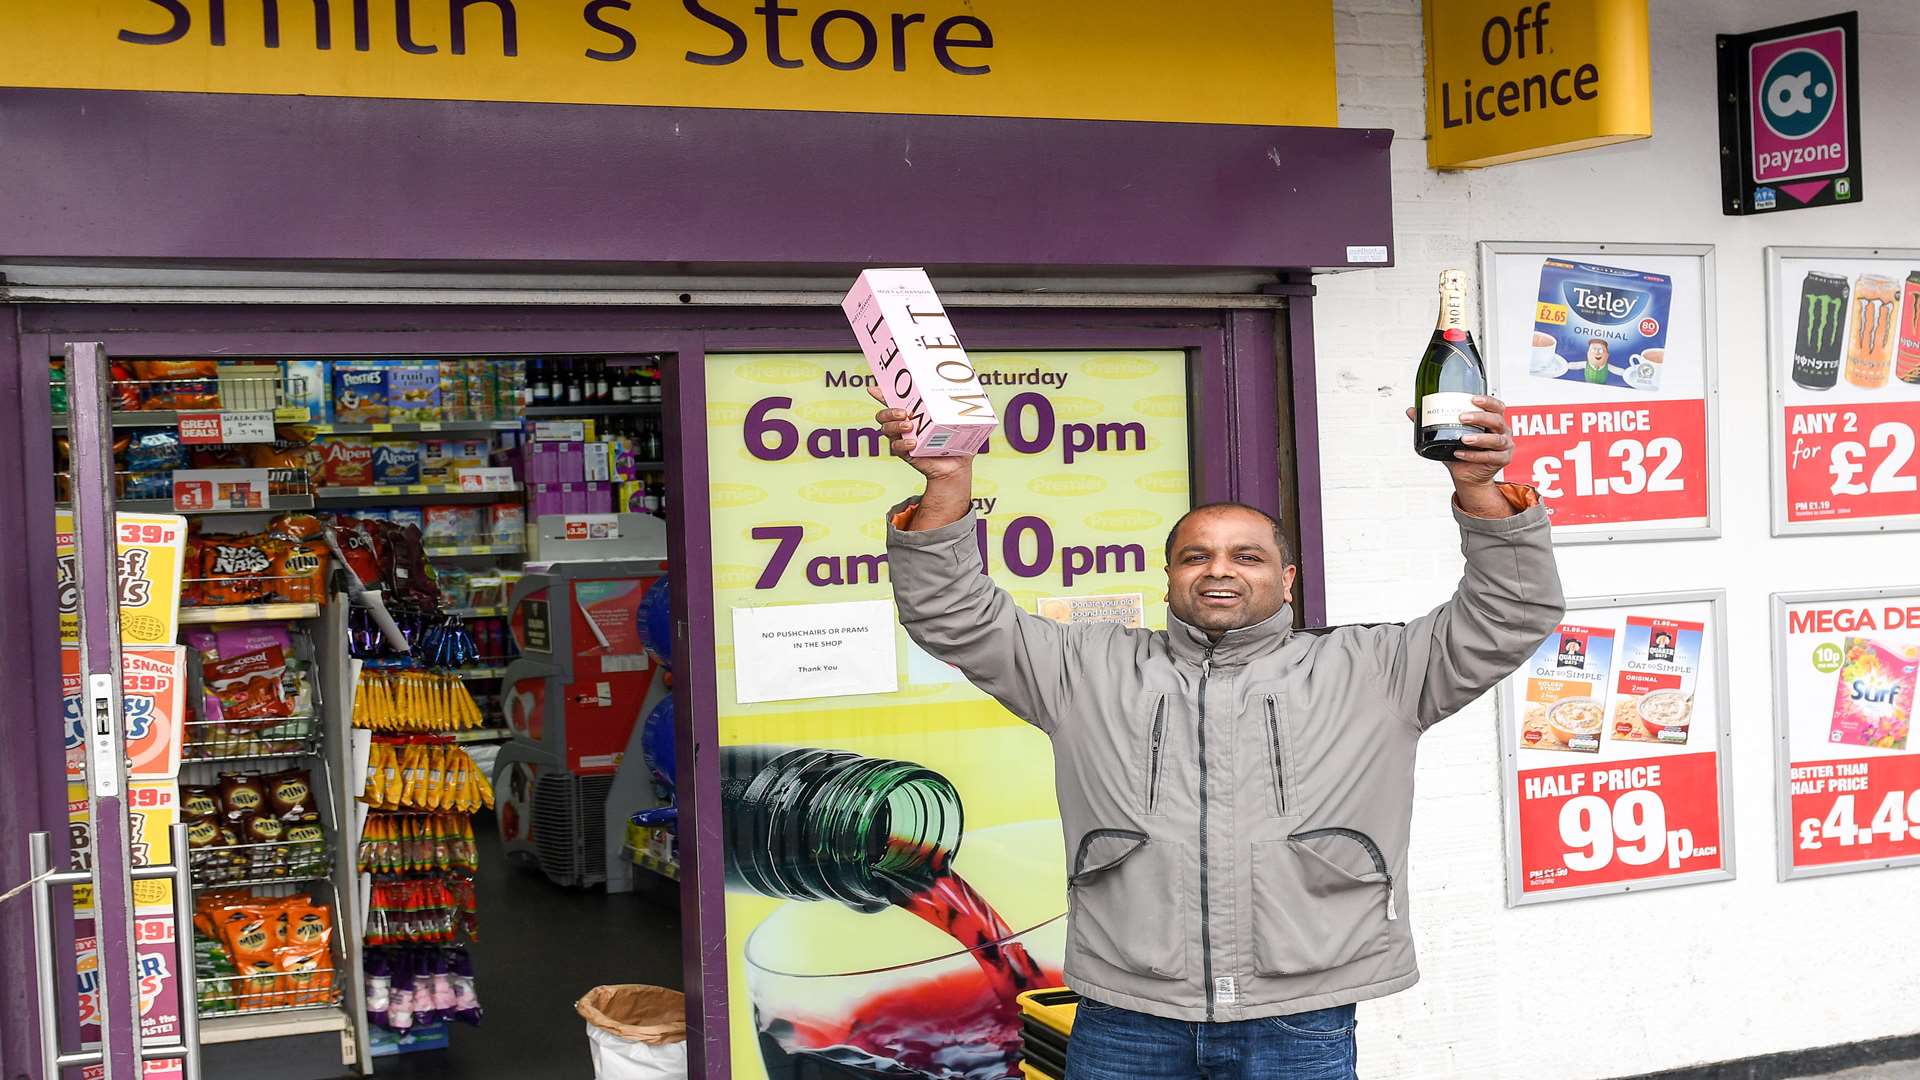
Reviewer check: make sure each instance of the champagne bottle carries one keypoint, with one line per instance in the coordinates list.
(810, 824)
(1450, 375)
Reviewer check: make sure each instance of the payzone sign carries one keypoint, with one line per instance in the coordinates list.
(1799, 103)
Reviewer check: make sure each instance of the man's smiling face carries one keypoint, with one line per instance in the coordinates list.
(1226, 570)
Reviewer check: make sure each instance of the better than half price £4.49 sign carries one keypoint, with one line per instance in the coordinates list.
(1616, 751)
(1605, 360)
(1843, 340)
(1845, 666)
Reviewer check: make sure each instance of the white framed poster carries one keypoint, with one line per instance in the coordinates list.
(1847, 774)
(1606, 355)
(1843, 363)
(1615, 750)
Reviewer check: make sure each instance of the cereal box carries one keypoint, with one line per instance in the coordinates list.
(453, 391)
(305, 385)
(346, 463)
(1653, 699)
(396, 463)
(506, 524)
(360, 394)
(1873, 703)
(1602, 325)
(413, 393)
(1564, 705)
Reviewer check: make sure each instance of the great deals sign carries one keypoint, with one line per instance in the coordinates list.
(1615, 752)
(1846, 665)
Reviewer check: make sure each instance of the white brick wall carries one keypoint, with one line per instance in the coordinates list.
(1747, 967)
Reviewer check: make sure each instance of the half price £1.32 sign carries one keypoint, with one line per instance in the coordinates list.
(1608, 464)
(1620, 821)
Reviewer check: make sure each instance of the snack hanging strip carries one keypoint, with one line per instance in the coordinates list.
(417, 701)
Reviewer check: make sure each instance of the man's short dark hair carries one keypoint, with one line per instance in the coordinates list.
(1279, 533)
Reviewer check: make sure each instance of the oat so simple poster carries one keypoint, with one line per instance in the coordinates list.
(827, 955)
(1616, 749)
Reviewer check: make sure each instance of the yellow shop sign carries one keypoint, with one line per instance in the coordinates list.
(1508, 81)
(1233, 61)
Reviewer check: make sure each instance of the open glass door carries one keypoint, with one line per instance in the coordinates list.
(127, 864)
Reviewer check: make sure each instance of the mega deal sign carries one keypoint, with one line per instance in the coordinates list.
(1508, 81)
(1789, 120)
(1242, 62)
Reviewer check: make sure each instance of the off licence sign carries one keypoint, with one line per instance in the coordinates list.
(1606, 464)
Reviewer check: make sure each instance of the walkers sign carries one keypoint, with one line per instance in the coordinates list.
(1789, 116)
(1238, 62)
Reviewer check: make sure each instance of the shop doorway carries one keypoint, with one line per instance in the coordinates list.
(532, 875)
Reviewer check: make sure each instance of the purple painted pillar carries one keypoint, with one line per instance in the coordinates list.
(97, 578)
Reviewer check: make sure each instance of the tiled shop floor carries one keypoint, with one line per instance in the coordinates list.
(541, 947)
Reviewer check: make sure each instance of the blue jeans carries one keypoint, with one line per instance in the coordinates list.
(1118, 1044)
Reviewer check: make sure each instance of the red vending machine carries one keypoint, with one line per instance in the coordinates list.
(573, 699)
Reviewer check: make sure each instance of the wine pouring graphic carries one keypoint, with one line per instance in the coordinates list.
(844, 838)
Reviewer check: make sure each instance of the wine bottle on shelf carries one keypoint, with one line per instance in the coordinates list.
(1451, 374)
(576, 388)
(622, 389)
(650, 382)
(602, 392)
(537, 383)
(650, 443)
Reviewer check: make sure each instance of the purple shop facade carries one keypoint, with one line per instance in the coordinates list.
(345, 227)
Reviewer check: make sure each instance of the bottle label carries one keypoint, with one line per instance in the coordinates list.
(1438, 410)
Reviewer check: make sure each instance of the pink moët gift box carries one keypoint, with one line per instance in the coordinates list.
(918, 360)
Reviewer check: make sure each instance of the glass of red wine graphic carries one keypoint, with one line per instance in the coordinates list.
(852, 988)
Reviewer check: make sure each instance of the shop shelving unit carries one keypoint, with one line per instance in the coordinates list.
(324, 742)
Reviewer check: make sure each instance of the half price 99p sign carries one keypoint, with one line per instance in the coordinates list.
(1845, 667)
(1615, 748)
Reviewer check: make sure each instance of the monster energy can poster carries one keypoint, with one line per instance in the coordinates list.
(895, 865)
(1844, 356)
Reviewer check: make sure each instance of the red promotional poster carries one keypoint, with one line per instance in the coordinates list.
(1846, 667)
(1844, 345)
(153, 701)
(155, 978)
(1606, 366)
(1615, 751)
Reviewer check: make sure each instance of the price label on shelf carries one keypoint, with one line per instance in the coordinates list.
(1859, 461)
(226, 428)
(1619, 821)
(1607, 464)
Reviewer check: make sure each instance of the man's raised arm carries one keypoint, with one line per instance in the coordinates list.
(948, 604)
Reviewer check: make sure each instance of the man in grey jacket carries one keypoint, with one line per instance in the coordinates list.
(1236, 794)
